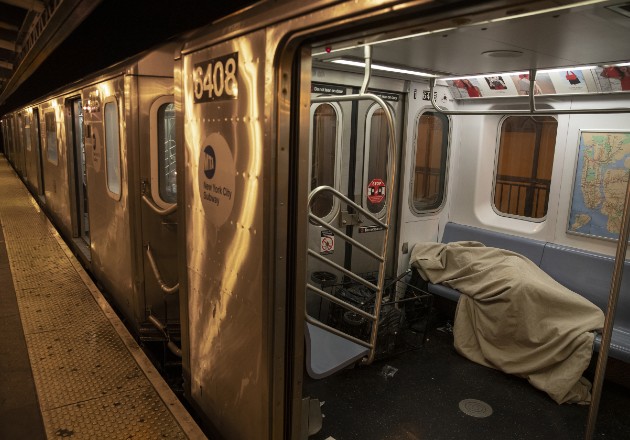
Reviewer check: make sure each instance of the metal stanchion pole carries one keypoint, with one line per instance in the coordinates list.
(615, 285)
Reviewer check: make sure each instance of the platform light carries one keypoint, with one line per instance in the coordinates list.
(382, 67)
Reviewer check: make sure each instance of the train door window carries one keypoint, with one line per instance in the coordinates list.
(50, 122)
(21, 132)
(112, 147)
(27, 132)
(375, 168)
(163, 154)
(80, 171)
(325, 143)
(524, 165)
(40, 154)
(429, 174)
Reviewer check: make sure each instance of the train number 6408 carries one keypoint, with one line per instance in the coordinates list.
(216, 79)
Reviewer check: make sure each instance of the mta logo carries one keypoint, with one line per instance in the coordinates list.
(209, 162)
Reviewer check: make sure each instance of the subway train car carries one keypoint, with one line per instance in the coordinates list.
(90, 154)
(320, 145)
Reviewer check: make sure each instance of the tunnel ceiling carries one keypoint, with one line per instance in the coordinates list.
(45, 44)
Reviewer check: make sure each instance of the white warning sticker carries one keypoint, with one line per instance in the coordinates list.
(327, 242)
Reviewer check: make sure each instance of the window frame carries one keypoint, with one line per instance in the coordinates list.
(412, 206)
(51, 110)
(153, 153)
(367, 143)
(496, 171)
(337, 166)
(106, 101)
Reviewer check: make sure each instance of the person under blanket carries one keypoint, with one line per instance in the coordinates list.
(513, 317)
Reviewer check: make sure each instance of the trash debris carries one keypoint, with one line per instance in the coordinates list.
(447, 328)
(388, 371)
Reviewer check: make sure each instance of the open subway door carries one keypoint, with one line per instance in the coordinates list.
(343, 317)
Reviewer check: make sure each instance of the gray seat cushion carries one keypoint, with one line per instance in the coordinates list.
(532, 249)
(619, 345)
(588, 274)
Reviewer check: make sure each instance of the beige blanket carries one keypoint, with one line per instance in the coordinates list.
(514, 317)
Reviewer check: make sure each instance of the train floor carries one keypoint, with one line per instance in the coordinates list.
(68, 366)
(434, 393)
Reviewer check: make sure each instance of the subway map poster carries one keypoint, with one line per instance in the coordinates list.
(600, 183)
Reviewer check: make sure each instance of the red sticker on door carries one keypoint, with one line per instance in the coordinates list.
(376, 191)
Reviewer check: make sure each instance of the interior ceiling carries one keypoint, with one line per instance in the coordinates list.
(587, 35)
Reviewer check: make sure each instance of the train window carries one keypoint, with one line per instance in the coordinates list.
(325, 143)
(377, 144)
(524, 165)
(167, 175)
(51, 137)
(429, 174)
(162, 152)
(112, 147)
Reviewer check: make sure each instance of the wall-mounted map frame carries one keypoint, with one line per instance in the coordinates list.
(599, 183)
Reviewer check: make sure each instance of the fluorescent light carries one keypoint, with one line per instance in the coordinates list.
(420, 34)
(479, 23)
(546, 11)
(484, 76)
(562, 69)
(383, 68)
(374, 43)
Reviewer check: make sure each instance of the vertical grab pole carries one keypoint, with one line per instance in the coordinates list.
(367, 51)
(532, 87)
(615, 285)
(391, 178)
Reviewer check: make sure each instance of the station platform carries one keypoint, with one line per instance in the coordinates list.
(68, 366)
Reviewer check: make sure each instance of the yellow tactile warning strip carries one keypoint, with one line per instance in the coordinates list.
(92, 379)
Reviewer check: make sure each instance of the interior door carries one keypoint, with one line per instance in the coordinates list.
(349, 151)
(372, 183)
(330, 154)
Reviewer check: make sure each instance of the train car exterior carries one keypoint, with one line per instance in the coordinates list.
(413, 116)
(246, 106)
(91, 152)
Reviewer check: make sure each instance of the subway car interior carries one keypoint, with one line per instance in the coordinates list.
(362, 220)
(472, 149)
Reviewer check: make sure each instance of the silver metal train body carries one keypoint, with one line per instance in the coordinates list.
(271, 104)
(86, 153)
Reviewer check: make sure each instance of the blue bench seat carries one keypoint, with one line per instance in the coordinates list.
(586, 273)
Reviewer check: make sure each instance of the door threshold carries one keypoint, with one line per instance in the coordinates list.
(84, 248)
